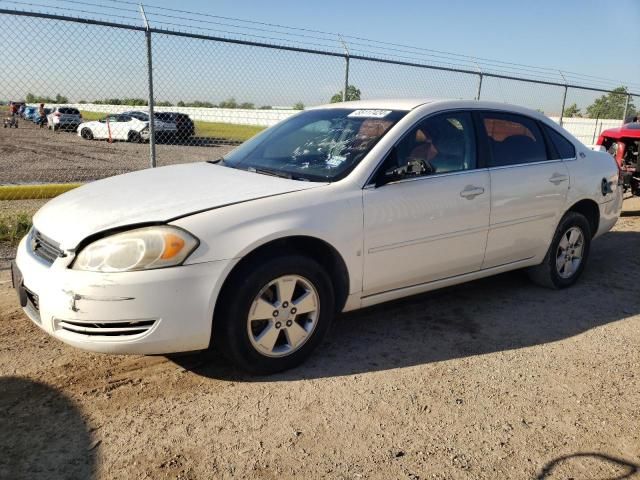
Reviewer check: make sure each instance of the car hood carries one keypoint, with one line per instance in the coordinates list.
(153, 195)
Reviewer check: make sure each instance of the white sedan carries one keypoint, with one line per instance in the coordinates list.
(334, 209)
(115, 127)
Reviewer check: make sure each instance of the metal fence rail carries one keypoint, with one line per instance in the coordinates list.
(203, 94)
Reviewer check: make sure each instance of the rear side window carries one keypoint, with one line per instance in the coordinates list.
(68, 111)
(513, 139)
(563, 146)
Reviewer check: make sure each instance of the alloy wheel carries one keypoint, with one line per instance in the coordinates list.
(569, 253)
(283, 316)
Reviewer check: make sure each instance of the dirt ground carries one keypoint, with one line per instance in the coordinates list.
(495, 379)
(30, 154)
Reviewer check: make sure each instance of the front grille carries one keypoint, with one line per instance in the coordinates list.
(33, 299)
(111, 329)
(45, 248)
(33, 305)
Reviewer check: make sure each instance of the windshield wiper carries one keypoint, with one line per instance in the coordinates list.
(218, 161)
(272, 173)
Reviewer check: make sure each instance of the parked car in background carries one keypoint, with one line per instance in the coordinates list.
(164, 130)
(30, 112)
(184, 125)
(64, 118)
(624, 144)
(35, 118)
(115, 127)
(336, 208)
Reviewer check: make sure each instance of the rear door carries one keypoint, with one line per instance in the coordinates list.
(529, 187)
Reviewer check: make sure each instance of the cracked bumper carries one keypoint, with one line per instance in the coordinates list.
(147, 312)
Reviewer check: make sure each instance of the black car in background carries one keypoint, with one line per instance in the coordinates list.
(184, 125)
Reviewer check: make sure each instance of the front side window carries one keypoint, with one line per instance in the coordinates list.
(513, 139)
(317, 145)
(443, 143)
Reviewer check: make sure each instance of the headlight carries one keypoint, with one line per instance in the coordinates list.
(140, 249)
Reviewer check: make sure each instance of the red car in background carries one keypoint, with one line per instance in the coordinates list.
(623, 143)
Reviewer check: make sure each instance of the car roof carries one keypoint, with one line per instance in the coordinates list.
(387, 104)
(629, 130)
(407, 104)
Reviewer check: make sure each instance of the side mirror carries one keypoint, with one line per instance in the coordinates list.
(389, 171)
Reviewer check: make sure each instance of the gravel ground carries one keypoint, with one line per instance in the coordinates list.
(33, 155)
(493, 379)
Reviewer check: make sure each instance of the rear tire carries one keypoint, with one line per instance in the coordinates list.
(134, 137)
(567, 255)
(273, 288)
(86, 133)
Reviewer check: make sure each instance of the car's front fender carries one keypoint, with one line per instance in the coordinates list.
(332, 215)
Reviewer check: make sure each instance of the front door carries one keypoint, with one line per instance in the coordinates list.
(429, 219)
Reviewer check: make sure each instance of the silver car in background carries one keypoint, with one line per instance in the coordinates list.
(64, 118)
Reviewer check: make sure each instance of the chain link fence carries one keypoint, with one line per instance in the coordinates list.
(119, 97)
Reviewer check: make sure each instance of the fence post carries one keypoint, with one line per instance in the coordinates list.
(626, 108)
(346, 69)
(479, 86)
(595, 129)
(564, 100)
(152, 130)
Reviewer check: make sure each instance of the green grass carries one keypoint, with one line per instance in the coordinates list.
(225, 131)
(24, 192)
(91, 116)
(14, 226)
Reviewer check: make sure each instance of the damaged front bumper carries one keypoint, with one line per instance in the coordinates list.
(145, 312)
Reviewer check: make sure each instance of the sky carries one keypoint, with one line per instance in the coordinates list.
(600, 38)
(588, 37)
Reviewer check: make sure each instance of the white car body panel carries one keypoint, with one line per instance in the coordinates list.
(407, 224)
(120, 130)
(395, 240)
(178, 190)
(527, 202)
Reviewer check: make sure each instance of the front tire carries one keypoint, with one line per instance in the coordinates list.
(567, 256)
(274, 313)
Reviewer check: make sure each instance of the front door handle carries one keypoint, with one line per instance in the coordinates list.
(471, 191)
(558, 178)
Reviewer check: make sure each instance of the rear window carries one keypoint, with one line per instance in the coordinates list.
(513, 139)
(563, 146)
(69, 111)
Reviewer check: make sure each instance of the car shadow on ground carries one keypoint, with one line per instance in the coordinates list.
(494, 314)
(42, 433)
(591, 464)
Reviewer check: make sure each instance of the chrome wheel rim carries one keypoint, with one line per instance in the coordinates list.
(569, 253)
(283, 316)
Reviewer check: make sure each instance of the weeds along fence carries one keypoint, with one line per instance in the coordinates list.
(230, 88)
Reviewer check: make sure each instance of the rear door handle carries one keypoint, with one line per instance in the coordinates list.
(558, 178)
(471, 191)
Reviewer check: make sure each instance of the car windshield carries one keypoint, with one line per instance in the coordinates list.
(317, 145)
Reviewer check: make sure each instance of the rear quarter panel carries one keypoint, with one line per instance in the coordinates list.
(587, 173)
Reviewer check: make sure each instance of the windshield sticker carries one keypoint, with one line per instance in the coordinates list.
(369, 113)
